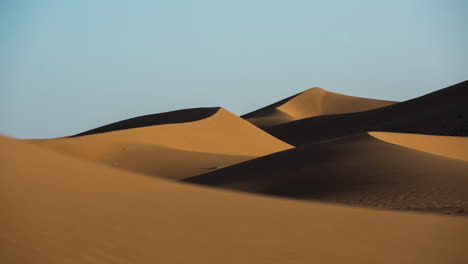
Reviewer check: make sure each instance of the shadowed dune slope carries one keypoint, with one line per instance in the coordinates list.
(58, 209)
(179, 116)
(174, 150)
(444, 112)
(312, 102)
(357, 170)
(451, 147)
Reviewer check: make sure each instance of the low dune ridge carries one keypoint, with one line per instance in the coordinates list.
(451, 147)
(312, 102)
(358, 170)
(174, 150)
(59, 209)
(443, 112)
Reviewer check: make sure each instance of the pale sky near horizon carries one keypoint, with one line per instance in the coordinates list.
(70, 66)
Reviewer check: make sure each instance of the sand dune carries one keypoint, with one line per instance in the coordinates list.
(358, 170)
(451, 147)
(312, 102)
(90, 198)
(173, 150)
(58, 209)
(443, 112)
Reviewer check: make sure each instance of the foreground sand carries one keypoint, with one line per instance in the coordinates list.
(58, 209)
(175, 150)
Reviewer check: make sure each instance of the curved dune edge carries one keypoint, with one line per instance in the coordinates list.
(172, 117)
(174, 150)
(223, 133)
(357, 170)
(310, 103)
(447, 146)
(57, 209)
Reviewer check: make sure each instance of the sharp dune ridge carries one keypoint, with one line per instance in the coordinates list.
(312, 102)
(174, 150)
(58, 209)
(172, 117)
(298, 181)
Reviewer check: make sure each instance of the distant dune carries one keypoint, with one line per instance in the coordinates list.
(358, 170)
(312, 102)
(444, 112)
(58, 209)
(176, 150)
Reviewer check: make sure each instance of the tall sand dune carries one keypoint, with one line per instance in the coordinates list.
(359, 170)
(59, 209)
(312, 102)
(444, 112)
(173, 150)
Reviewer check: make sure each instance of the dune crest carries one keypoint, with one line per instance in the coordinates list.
(312, 102)
(172, 117)
(174, 150)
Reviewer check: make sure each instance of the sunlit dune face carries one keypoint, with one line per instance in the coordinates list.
(174, 151)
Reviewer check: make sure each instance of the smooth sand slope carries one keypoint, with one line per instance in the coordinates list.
(358, 170)
(312, 102)
(173, 150)
(58, 209)
(444, 112)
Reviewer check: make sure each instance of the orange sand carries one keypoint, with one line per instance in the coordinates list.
(58, 209)
(103, 196)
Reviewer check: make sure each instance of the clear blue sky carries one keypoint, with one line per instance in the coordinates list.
(69, 66)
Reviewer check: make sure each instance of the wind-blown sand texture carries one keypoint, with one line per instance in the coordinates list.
(318, 177)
